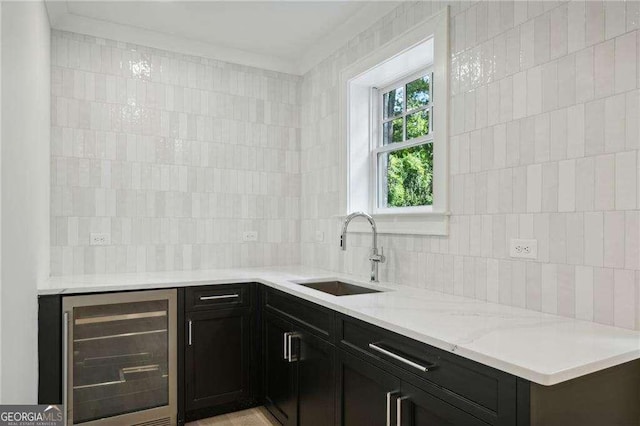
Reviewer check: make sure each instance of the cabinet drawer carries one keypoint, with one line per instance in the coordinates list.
(317, 319)
(476, 388)
(217, 296)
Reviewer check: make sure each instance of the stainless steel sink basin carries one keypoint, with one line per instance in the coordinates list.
(338, 288)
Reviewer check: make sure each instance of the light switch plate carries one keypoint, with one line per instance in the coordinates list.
(250, 236)
(99, 239)
(525, 249)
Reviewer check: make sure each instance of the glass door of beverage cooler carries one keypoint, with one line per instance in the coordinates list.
(120, 357)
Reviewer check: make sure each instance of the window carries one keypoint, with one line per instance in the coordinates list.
(402, 159)
(394, 129)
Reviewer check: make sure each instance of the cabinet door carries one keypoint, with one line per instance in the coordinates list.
(217, 357)
(316, 380)
(280, 381)
(419, 408)
(367, 394)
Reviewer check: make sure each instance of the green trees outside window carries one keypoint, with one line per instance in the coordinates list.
(410, 177)
(409, 171)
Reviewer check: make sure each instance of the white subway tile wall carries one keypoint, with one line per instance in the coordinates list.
(175, 156)
(544, 144)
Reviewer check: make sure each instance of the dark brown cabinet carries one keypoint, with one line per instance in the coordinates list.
(420, 408)
(300, 361)
(437, 386)
(299, 374)
(366, 393)
(220, 350)
(280, 382)
(315, 359)
(372, 396)
(217, 357)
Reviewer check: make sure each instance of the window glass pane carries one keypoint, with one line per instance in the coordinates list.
(407, 177)
(418, 93)
(417, 124)
(392, 131)
(392, 103)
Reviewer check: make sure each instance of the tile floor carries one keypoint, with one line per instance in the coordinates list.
(253, 417)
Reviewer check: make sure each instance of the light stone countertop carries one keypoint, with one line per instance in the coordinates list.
(543, 348)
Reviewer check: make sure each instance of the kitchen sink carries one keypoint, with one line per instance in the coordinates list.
(337, 288)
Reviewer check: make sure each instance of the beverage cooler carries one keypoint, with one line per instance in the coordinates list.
(119, 358)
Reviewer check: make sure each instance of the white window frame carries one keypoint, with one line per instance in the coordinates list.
(377, 144)
(423, 44)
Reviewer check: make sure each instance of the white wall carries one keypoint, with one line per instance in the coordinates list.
(173, 155)
(24, 192)
(544, 144)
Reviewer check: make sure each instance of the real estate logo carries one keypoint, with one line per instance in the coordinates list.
(31, 415)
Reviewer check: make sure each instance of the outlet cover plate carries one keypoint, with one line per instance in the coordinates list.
(248, 236)
(99, 239)
(525, 249)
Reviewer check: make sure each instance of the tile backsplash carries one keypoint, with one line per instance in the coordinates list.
(545, 112)
(174, 156)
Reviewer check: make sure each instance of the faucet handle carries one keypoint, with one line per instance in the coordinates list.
(377, 257)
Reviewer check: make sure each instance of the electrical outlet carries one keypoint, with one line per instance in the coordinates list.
(250, 236)
(319, 236)
(526, 249)
(100, 239)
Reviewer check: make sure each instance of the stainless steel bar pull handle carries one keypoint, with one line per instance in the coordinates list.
(285, 338)
(397, 357)
(121, 317)
(224, 296)
(190, 332)
(65, 368)
(390, 395)
(290, 336)
(399, 409)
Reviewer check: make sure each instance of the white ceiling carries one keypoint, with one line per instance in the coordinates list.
(288, 36)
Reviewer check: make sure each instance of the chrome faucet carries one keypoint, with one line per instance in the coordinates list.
(375, 258)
